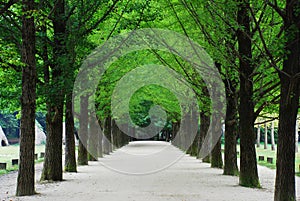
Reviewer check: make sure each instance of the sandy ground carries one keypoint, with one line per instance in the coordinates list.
(186, 180)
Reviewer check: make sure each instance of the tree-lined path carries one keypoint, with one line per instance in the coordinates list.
(111, 72)
(188, 180)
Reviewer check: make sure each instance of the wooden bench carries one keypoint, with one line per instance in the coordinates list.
(270, 160)
(2, 166)
(14, 162)
(261, 158)
(42, 155)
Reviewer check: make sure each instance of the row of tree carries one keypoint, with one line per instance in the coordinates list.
(255, 46)
(259, 40)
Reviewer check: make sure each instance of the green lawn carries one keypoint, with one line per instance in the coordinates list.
(12, 152)
(269, 153)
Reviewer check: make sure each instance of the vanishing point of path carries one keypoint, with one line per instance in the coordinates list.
(187, 180)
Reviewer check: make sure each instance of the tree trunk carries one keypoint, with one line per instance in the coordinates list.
(105, 144)
(116, 134)
(83, 131)
(175, 129)
(25, 181)
(266, 137)
(70, 156)
(52, 169)
(187, 146)
(230, 155)
(100, 138)
(93, 139)
(285, 165)
(107, 136)
(125, 139)
(193, 150)
(289, 103)
(184, 133)
(216, 156)
(204, 126)
(248, 164)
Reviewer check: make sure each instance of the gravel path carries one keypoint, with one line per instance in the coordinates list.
(187, 180)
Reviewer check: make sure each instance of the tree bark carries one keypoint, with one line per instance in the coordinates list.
(289, 103)
(26, 178)
(70, 156)
(216, 154)
(175, 129)
(107, 136)
(117, 134)
(204, 126)
(83, 131)
(230, 155)
(248, 164)
(100, 138)
(52, 169)
(114, 133)
(93, 139)
(193, 150)
(188, 134)
(125, 139)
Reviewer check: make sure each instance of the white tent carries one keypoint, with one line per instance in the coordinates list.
(3, 139)
(40, 137)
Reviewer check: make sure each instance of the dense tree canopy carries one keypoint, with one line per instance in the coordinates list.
(254, 46)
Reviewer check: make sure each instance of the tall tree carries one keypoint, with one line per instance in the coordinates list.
(52, 169)
(248, 163)
(289, 103)
(25, 181)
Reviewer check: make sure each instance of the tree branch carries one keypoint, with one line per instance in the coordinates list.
(276, 8)
(89, 30)
(7, 6)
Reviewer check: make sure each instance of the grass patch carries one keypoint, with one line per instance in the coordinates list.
(11, 169)
(260, 151)
(12, 152)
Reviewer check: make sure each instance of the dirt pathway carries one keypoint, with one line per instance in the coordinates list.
(186, 180)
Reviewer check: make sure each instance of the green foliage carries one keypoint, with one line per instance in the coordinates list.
(146, 97)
